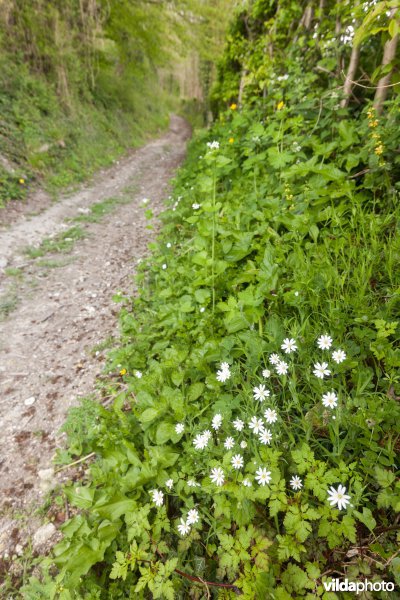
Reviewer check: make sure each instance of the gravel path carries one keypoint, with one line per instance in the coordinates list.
(46, 344)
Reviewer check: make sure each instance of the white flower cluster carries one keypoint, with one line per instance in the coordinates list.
(213, 145)
(224, 372)
(191, 518)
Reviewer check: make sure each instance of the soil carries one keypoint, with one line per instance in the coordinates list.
(47, 356)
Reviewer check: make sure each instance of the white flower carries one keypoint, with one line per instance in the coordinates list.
(243, 444)
(265, 436)
(179, 427)
(329, 400)
(246, 483)
(229, 443)
(157, 497)
(202, 309)
(296, 147)
(164, 266)
(260, 393)
(263, 476)
(169, 245)
(213, 145)
(296, 293)
(338, 497)
(296, 483)
(237, 461)
(274, 359)
(192, 483)
(324, 342)
(195, 206)
(216, 422)
(289, 345)
(282, 367)
(169, 483)
(192, 516)
(145, 201)
(256, 425)
(321, 369)
(224, 372)
(266, 373)
(207, 434)
(184, 527)
(200, 442)
(138, 374)
(217, 476)
(338, 356)
(238, 424)
(271, 415)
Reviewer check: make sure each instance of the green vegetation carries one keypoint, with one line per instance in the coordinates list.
(251, 444)
(62, 242)
(80, 82)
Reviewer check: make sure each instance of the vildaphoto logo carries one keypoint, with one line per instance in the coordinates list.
(344, 585)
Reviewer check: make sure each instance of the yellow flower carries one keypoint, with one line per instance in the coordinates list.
(379, 150)
(373, 123)
(22, 181)
(123, 372)
(231, 140)
(233, 106)
(280, 105)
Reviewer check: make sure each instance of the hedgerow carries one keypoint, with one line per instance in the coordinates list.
(251, 444)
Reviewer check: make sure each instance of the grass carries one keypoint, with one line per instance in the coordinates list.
(100, 209)
(63, 242)
(8, 303)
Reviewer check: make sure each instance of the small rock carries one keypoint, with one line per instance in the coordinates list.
(42, 535)
(3, 263)
(30, 401)
(19, 550)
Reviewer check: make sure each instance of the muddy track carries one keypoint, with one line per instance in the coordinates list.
(46, 344)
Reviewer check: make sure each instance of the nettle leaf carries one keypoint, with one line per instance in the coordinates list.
(195, 391)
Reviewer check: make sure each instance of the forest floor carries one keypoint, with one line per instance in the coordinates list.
(57, 279)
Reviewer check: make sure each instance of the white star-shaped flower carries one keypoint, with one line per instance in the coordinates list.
(338, 497)
(138, 374)
(200, 442)
(338, 356)
(265, 436)
(192, 483)
(179, 427)
(321, 370)
(169, 483)
(183, 527)
(271, 416)
(216, 422)
(266, 373)
(329, 400)
(256, 425)
(195, 206)
(192, 516)
(296, 482)
(229, 443)
(246, 483)
(238, 424)
(324, 342)
(289, 345)
(260, 393)
(157, 497)
(274, 359)
(243, 444)
(237, 461)
(217, 476)
(263, 476)
(224, 373)
(282, 367)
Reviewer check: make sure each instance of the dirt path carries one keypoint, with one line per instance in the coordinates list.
(46, 344)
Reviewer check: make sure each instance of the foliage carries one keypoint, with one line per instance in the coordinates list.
(282, 238)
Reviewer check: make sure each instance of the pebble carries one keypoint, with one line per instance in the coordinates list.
(30, 401)
(42, 535)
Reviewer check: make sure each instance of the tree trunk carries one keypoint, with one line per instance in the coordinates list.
(389, 53)
(351, 73)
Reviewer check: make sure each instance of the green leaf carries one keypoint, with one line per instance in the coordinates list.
(366, 517)
(195, 391)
